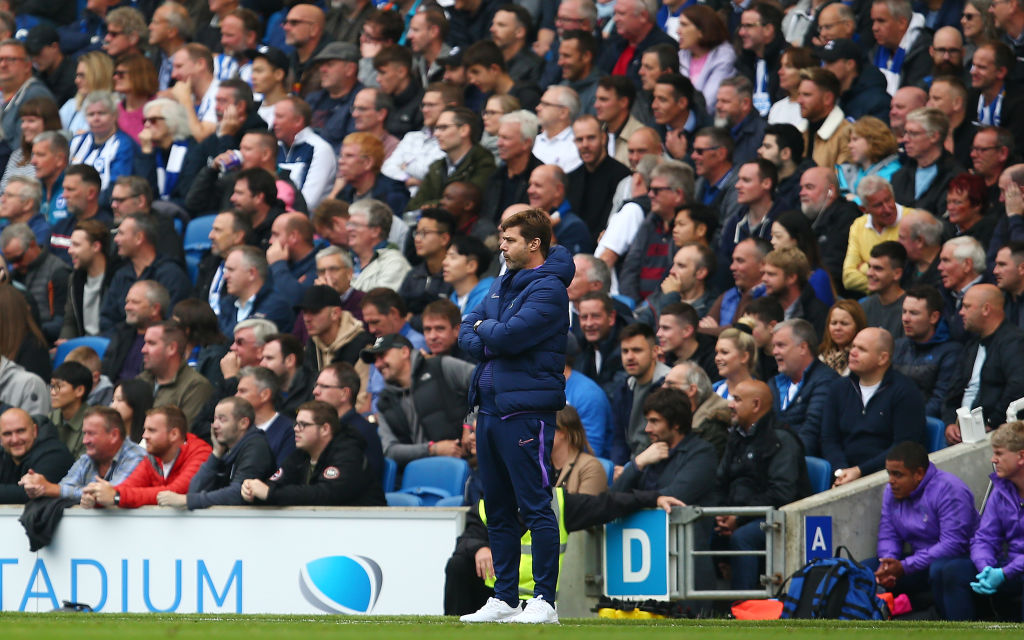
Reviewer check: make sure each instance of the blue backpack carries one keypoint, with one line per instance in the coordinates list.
(834, 588)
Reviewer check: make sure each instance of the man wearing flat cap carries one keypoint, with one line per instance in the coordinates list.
(424, 403)
(338, 64)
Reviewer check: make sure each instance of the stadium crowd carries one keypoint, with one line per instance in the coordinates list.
(796, 230)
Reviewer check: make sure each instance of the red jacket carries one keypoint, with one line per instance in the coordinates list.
(141, 487)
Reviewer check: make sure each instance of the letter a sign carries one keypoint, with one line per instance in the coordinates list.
(818, 534)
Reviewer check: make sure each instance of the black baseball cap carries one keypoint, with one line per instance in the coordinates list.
(384, 343)
(273, 55)
(317, 297)
(40, 36)
(452, 59)
(840, 49)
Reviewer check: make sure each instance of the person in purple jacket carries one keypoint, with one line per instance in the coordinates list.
(933, 512)
(997, 549)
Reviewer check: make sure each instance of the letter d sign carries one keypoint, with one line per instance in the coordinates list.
(636, 556)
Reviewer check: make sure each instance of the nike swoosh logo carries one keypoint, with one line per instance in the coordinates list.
(522, 442)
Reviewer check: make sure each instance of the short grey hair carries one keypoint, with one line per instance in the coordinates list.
(741, 84)
(597, 271)
(803, 332)
(28, 188)
(253, 258)
(377, 214)
(528, 123)
(696, 376)
(870, 185)
(588, 11)
(178, 17)
(568, 98)
(156, 295)
(845, 13)
(678, 175)
(899, 9)
(926, 228)
(645, 166)
(18, 231)
(174, 115)
(967, 248)
(263, 377)
(106, 98)
(332, 250)
(56, 141)
(932, 120)
(262, 329)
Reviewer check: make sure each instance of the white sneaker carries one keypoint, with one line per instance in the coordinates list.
(494, 610)
(537, 611)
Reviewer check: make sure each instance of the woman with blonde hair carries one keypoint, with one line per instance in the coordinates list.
(37, 115)
(845, 320)
(874, 151)
(136, 79)
(94, 72)
(576, 468)
(735, 357)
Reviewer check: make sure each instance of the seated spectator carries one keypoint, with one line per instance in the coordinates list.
(961, 267)
(755, 189)
(82, 200)
(377, 263)
(92, 270)
(831, 217)
(689, 281)
(517, 131)
(334, 334)
(870, 411)
(458, 134)
(711, 417)
(165, 141)
(793, 229)
(25, 447)
(102, 389)
(166, 368)
(827, 136)
(291, 255)
(921, 235)
(591, 186)
(332, 103)
(783, 146)
(638, 346)
(862, 85)
(785, 278)
(763, 464)
(371, 109)
(283, 354)
(255, 196)
(250, 293)
(260, 388)
(923, 180)
(800, 393)
(736, 359)
(20, 203)
(108, 455)
(340, 475)
(463, 267)
(42, 274)
(576, 468)
(558, 108)
(547, 191)
(874, 151)
(925, 353)
(411, 159)
(240, 452)
(425, 282)
(487, 70)
(359, 175)
(104, 146)
(174, 457)
(990, 373)
(396, 78)
(630, 208)
(680, 341)
(734, 105)
(132, 399)
(335, 269)
(205, 345)
(932, 512)
(70, 384)
(145, 305)
(600, 358)
(966, 206)
(338, 385)
(50, 159)
(420, 410)
(384, 313)
(673, 459)
(246, 350)
(441, 320)
(589, 400)
(878, 224)
(463, 200)
(747, 264)
(883, 307)
(1009, 277)
(762, 316)
(308, 158)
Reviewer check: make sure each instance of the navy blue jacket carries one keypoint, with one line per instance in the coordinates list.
(281, 437)
(867, 95)
(163, 269)
(374, 452)
(931, 365)
(522, 335)
(855, 435)
(269, 304)
(388, 190)
(804, 414)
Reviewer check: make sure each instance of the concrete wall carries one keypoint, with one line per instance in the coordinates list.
(855, 508)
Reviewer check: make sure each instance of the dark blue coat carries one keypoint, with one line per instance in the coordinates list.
(281, 437)
(269, 304)
(522, 335)
(164, 270)
(931, 365)
(804, 414)
(855, 435)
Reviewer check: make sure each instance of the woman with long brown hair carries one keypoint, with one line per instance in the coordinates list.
(845, 320)
(21, 339)
(136, 79)
(577, 469)
(37, 115)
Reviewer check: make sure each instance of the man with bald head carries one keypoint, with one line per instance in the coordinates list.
(831, 216)
(836, 21)
(947, 52)
(990, 373)
(547, 192)
(291, 255)
(871, 410)
(763, 464)
(905, 100)
(644, 141)
(304, 30)
(23, 447)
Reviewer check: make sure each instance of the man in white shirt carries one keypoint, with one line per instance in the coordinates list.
(555, 144)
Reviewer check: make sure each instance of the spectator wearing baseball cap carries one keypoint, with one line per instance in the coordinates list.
(269, 78)
(862, 85)
(338, 64)
(334, 334)
(55, 69)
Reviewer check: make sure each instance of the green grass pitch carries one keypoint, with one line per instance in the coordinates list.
(60, 626)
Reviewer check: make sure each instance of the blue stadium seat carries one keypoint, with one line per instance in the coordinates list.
(609, 468)
(197, 242)
(397, 499)
(434, 478)
(820, 472)
(936, 434)
(450, 501)
(390, 473)
(98, 344)
(626, 300)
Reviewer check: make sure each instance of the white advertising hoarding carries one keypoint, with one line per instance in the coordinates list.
(382, 560)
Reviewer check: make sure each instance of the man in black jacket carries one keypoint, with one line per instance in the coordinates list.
(328, 467)
(240, 452)
(425, 283)
(862, 84)
(90, 242)
(762, 465)
(990, 372)
(831, 216)
(25, 447)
